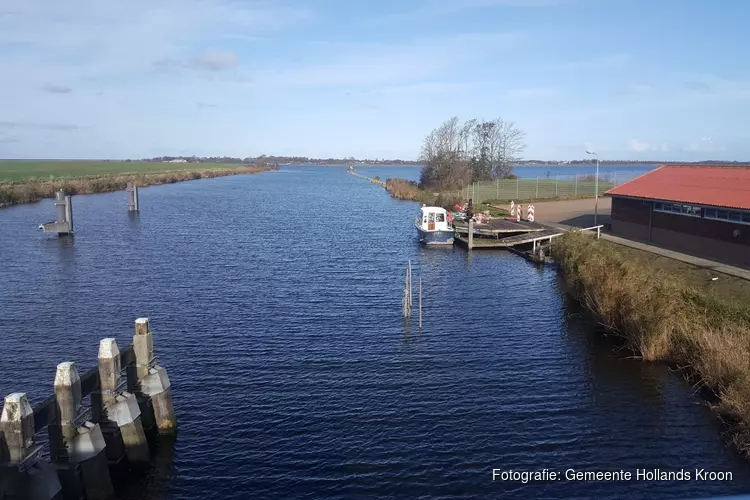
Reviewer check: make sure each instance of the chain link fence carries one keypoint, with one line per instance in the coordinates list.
(549, 187)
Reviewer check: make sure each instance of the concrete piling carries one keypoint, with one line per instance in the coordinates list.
(85, 443)
(118, 408)
(153, 378)
(17, 427)
(132, 190)
(23, 475)
(64, 212)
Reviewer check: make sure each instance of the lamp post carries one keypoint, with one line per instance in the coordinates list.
(596, 187)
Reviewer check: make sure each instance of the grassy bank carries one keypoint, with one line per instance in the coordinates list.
(30, 189)
(662, 317)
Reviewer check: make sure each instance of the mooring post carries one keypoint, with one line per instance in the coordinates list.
(471, 234)
(60, 206)
(132, 190)
(420, 301)
(153, 380)
(69, 213)
(85, 443)
(23, 474)
(121, 408)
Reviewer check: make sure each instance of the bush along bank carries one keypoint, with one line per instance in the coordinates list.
(663, 319)
(33, 190)
(402, 189)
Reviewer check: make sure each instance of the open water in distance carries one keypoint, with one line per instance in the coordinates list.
(275, 305)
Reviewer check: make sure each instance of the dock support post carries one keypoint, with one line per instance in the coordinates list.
(154, 381)
(85, 443)
(121, 408)
(420, 301)
(23, 474)
(471, 234)
(598, 232)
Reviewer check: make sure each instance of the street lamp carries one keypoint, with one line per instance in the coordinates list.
(596, 187)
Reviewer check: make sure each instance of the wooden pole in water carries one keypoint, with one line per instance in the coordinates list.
(411, 301)
(420, 301)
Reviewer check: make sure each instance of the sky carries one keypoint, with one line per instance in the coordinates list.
(630, 79)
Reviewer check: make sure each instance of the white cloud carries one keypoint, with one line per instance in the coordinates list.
(641, 146)
(377, 64)
(703, 145)
(63, 41)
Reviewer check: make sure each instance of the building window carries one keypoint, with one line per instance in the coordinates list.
(678, 208)
(736, 216)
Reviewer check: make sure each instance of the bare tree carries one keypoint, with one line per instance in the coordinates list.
(456, 154)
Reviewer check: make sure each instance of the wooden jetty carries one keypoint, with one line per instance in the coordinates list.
(357, 174)
(88, 444)
(512, 235)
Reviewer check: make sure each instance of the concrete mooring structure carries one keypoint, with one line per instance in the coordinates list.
(64, 222)
(132, 190)
(88, 444)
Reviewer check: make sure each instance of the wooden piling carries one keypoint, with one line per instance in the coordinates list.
(153, 379)
(420, 301)
(471, 234)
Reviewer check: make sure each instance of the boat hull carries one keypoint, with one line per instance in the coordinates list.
(435, 238)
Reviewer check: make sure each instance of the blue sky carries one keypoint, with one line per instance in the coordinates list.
(633, 79)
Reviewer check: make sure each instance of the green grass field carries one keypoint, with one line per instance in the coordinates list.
(19, 170)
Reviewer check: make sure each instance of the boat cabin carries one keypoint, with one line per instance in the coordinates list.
(433, 219)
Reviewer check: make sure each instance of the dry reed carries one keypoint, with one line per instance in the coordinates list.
(33, 190)
(664, 319)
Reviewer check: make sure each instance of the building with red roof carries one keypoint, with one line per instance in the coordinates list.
(703, 210)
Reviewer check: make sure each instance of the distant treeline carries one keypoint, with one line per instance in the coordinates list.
(281, 160)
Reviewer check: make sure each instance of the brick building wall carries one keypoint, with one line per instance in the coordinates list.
(708, 238)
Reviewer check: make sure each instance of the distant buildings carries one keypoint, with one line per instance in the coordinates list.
(700, 210)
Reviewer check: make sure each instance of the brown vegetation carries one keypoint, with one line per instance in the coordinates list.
(663, 318)
(401, 189)
(33, 190)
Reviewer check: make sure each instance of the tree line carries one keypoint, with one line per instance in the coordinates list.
(456, 154)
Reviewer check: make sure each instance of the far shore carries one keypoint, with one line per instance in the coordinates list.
(31, 190)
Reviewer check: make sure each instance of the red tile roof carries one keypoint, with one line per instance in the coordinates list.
(720, 186)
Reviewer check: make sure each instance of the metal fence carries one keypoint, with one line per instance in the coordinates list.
(549, 187)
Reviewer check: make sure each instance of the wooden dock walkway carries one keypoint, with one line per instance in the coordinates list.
(514, 236)
(89, 445)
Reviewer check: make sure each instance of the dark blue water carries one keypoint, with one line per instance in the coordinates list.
(619, 173)
(275, 305)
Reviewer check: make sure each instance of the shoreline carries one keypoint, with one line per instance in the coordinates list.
(663, 318)
(34, 190)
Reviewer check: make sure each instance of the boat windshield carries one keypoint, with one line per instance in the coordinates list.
(440, 217)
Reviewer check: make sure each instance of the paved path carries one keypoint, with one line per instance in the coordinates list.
(737, 272)
(718, 267)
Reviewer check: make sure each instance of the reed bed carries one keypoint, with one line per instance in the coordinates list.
(663, 318)
(33, 190)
